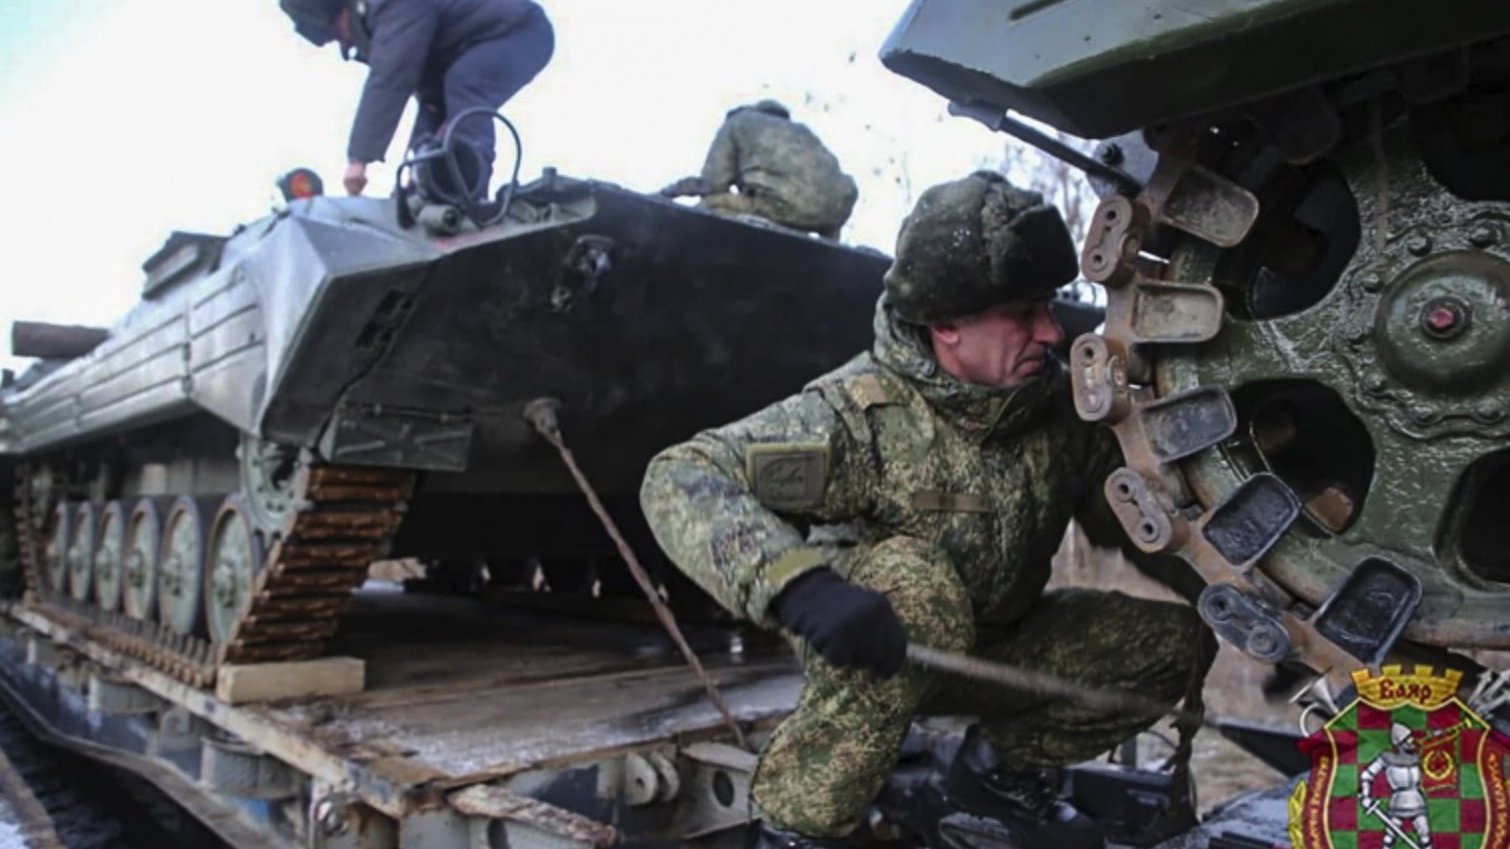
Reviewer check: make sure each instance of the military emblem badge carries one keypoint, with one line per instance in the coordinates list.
(1406, 765)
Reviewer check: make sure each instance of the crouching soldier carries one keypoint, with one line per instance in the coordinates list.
(763, 163)
(952, 453)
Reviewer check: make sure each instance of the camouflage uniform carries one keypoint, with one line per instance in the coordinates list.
(783, 173)
(953, 498)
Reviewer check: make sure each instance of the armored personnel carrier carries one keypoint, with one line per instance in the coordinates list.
(201, 489)
(1304, 236)
(343, 380)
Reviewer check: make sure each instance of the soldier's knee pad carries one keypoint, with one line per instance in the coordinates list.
(920, 581)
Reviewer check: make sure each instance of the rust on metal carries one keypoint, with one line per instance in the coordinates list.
(319, 475)
(353, 492)
(1333, 507)
(498, 803)
(346, 519)
(1110, 377)
(27, 532)
(1145, 511)
(345, 524)
(1115, 237)
(298, 555)
(296, 606)
(1098, 372)
(301, 583)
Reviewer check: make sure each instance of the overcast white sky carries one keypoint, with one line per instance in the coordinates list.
(121, 120)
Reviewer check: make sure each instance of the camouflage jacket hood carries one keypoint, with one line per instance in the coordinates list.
(983, 412)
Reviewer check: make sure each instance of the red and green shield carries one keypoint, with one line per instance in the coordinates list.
(1462, 778)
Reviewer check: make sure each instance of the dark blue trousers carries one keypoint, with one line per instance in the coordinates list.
(487, 75)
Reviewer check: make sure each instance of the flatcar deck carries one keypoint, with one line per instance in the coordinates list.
(464, 703)
(473, 694)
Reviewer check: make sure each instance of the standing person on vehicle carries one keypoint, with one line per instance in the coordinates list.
(763, 163)
(452, 55)
(951, 455)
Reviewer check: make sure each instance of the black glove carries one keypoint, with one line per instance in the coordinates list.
(851, 626)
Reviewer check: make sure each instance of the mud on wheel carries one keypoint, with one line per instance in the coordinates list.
(1307, 362)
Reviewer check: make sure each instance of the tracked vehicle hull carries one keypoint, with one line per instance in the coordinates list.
(210, 483)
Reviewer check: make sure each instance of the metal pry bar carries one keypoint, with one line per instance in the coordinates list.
(541, 413)
(1003, 122)
(1042, 683)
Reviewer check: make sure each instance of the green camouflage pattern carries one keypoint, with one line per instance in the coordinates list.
(829, 759)
(895, 435)
(973, 243)
(951, 498)
(782, 172)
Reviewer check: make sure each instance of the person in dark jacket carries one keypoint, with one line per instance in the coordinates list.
(452, 55)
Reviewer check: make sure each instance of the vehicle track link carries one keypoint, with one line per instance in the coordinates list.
(26, 530)
(344, 519)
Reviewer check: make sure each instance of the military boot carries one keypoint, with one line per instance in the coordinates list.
(770, 837)
(1002, 806)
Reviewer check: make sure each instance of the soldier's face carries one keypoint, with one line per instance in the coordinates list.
(1005, 346)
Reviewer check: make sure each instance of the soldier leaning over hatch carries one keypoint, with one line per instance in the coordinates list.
(951, 452)
(781, 170)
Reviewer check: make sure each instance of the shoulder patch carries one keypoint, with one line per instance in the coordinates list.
(868, 391)
(788, 476)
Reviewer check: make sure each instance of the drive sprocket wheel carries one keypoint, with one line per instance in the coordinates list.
(1308, 367)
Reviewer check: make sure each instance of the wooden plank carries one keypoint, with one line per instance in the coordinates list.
(278, 738)
(260, 682)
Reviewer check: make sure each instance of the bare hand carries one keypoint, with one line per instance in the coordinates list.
(356, 178)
